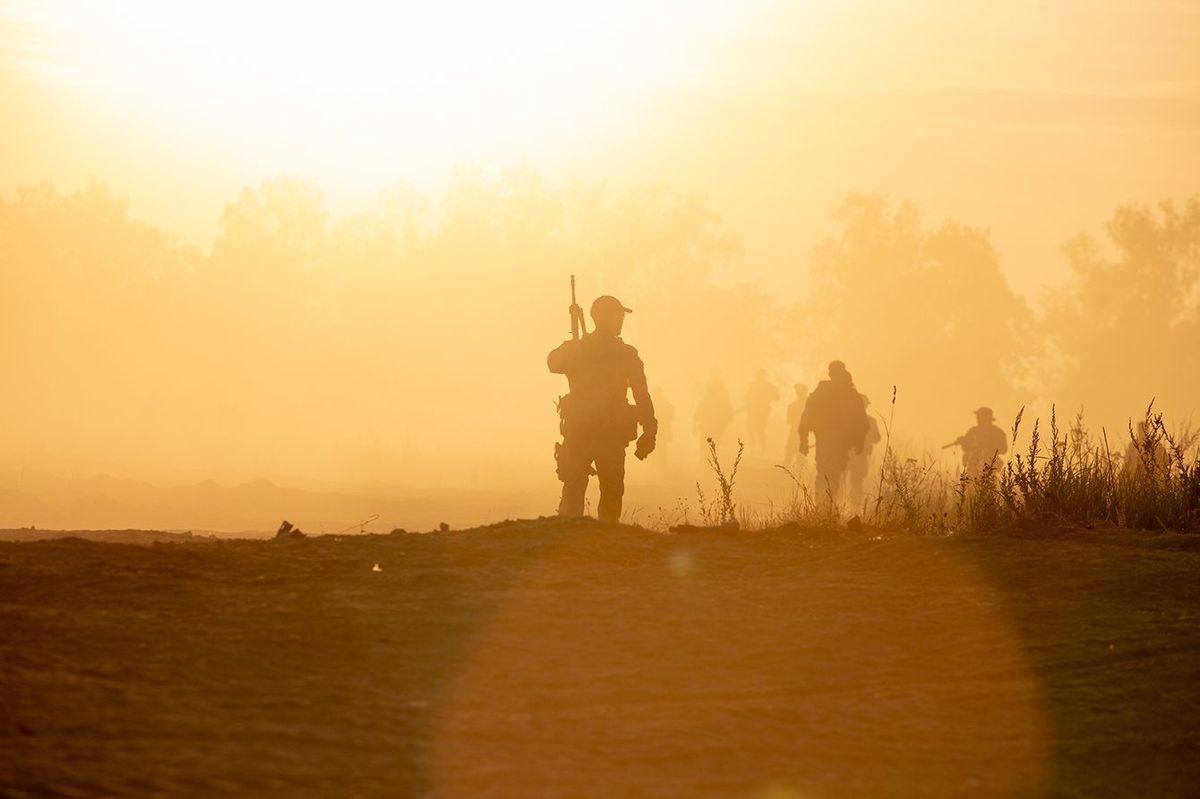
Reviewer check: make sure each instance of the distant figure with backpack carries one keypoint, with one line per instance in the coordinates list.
(795, 408)
(834, 414)
(760, 396)
(860, 462)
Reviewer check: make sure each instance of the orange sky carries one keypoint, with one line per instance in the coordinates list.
(1033, 118)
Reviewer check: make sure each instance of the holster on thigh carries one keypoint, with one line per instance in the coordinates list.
(574, 454)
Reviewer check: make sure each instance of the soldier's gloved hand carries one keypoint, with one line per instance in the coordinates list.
(645, 445)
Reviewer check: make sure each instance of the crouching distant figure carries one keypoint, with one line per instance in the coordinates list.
(982, 445)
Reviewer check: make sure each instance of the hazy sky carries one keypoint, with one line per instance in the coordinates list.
(1032, 118)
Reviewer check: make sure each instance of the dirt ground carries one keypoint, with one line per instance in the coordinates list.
(567, 659)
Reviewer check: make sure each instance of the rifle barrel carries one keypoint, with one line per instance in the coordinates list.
(574, 317)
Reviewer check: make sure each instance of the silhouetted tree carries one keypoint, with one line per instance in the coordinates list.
(928, 310)
(1127, 327)
(89, 301)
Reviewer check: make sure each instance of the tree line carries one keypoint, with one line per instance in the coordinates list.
(414, 330)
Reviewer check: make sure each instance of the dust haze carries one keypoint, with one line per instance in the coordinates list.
(209, 320)
(666, 398)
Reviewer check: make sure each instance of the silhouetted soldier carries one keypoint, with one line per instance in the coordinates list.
(597, 421)
(860, 462)
(834, 414)
(795, 408)
(983, 444)
(760, 395)
(714, 413)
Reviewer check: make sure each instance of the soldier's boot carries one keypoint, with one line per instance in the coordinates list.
(573, 493)
(828, 485)
(610, 504)
(856, 490)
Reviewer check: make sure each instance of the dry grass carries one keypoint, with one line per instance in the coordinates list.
(1073, 478)
(1076, 478)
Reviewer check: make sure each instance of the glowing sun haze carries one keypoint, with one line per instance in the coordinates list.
(282, 272)
(1027, 117)
(348, 85)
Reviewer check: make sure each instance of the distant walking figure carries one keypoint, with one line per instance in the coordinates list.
(835, 415)
(596, 420)
(860, 461)
(760, 396)
(714, 413)
(795, 408)
(983, 444)
(666, 425)
(1146, 453)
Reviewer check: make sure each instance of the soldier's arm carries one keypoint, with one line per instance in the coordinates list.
(807, 418)
(562, 357)
(641, 395)
(863, 423)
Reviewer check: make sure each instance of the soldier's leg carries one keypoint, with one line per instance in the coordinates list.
(762, 436)
(610, 471)
(831, 468)
(574, 464)
(838, 471)
(858, 475)
(821, 483)
(758, 436)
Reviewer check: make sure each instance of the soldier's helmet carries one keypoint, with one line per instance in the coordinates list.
(984, 414)
(607, 305)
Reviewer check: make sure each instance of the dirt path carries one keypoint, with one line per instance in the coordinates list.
(541, 659)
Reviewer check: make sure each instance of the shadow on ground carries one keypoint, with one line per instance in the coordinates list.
(565, 658)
